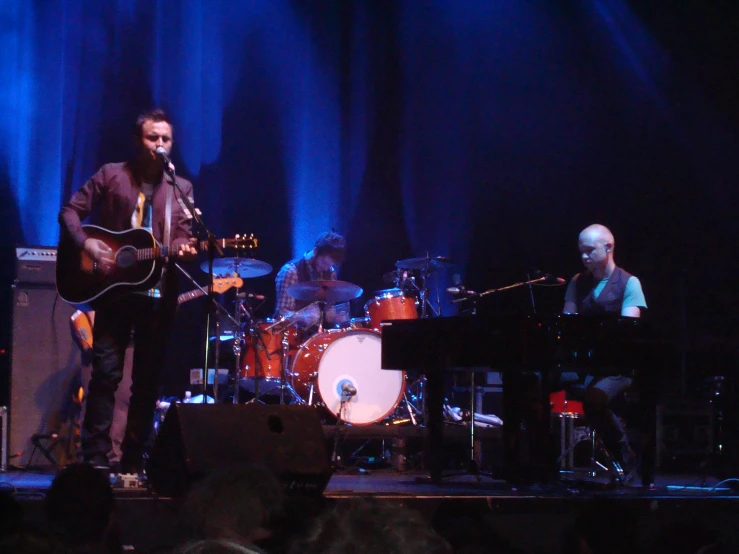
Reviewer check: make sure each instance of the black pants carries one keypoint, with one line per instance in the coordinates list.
(596, 394)
(149, 320)
(532, 454)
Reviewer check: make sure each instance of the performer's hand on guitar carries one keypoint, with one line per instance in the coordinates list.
(101, 254)
(188, 251)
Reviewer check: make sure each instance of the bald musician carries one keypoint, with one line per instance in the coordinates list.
(601, 289)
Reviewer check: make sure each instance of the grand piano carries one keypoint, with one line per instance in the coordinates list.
(515, 345)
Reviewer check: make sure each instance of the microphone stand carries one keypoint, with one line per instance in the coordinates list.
(212, 248)
(531, 293)
(508, 287)
(335, 456)
(221, 309)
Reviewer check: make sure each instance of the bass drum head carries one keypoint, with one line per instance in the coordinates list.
(353, 357)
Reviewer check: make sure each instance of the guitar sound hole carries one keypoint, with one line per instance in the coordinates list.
(126, 257)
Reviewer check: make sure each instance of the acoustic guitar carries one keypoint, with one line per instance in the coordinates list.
(139, 260)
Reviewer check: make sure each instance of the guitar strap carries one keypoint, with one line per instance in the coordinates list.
(168, 218)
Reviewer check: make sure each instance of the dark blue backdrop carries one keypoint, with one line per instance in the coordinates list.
(487, 131)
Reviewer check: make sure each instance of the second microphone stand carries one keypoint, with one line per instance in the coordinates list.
(213, 248)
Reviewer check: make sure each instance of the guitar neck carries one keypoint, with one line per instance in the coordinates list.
(190, 295)
(164, 252)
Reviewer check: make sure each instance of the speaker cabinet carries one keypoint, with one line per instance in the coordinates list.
(45, 376)
(196, 439)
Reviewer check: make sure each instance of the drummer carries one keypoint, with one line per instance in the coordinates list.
(319, 263)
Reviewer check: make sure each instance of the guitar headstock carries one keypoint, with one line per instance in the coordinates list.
(222, 284)
(243, 242)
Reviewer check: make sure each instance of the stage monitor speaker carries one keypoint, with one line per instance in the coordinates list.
(196, 439)
(45, 375)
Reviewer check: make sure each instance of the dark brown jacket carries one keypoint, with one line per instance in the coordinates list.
(114, 191)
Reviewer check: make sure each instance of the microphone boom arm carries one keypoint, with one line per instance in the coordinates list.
(507, 287)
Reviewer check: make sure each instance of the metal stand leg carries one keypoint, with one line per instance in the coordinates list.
(595, 465)
(335, 456)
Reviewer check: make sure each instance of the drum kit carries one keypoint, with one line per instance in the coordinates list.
(332, 363)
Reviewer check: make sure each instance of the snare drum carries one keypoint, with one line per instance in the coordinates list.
(328, 361)
(390, 304)
(268, 368)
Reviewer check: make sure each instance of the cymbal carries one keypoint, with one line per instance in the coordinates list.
(328, 291)
(424, 263)
(245, 268)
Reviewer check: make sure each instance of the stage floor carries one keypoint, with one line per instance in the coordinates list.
(387, 483)
(531, 520)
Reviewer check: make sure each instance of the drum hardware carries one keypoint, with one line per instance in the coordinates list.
(265, 363)
(355, 323)
(426, 265)
(411, 408)
(324, 291)
(243, 309)
(404, 413)
(218, 309)
(246, 268)
(348, 391)
(228, 266)
(285, 343)
(256, 341)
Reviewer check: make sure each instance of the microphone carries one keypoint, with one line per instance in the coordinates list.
(549, 277)
(36, 438)
(458, 289)
(250, 295)
(348, 389)
(162, 152)
(168, 165)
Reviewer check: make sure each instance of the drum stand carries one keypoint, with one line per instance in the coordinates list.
(284, 354)
(257, 340)
(423, 293)
(335, 456)
(413, 404)
(218, 309)
(284, 386)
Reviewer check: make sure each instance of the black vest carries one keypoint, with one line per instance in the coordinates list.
(303, 275)
(610, 299)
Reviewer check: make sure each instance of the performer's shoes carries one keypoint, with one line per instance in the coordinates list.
(100, 462)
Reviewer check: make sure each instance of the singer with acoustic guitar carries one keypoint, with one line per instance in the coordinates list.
(127, 197)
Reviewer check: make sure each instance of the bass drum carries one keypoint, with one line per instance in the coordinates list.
(329, 361)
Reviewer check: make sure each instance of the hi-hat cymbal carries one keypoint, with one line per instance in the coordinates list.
(327, 291)
(424, 263)
(245, 268)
